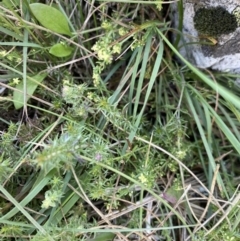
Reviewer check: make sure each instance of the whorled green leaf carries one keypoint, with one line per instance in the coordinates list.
(50, 18)
(60, 50)
(18, 95)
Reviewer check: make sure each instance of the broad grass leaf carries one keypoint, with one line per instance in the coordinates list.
(60, 50)
(50, 18)
(172, 195)
(103, 237)
(18, 97)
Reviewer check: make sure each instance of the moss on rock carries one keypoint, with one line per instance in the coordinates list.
(214, 21)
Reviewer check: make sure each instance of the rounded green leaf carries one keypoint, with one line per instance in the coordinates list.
(50, 18)
(18, 96)
(60, 50)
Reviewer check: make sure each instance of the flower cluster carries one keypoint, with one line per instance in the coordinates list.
(11, 56)
(75, 96)
(54, 195)
(105, 49)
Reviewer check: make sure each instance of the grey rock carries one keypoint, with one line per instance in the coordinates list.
(225, 54)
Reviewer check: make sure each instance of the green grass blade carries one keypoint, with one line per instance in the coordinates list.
(235, 100)
(20, 208)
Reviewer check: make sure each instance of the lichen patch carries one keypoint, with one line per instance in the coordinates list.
(215, 21)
